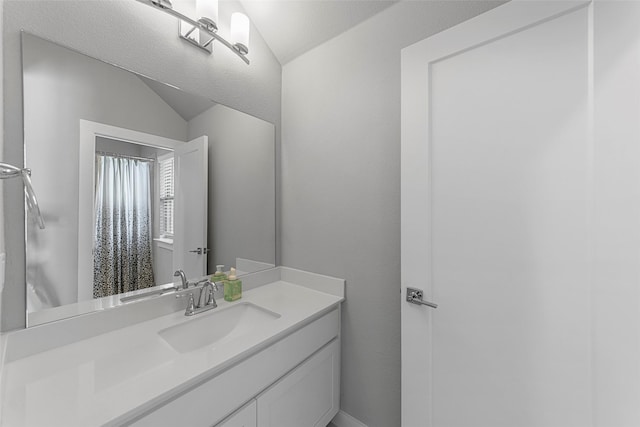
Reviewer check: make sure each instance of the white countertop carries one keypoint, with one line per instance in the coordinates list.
(96, 380)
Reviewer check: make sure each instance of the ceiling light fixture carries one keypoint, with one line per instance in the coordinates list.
(203, 32)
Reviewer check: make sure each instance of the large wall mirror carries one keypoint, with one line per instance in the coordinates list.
(135, 179)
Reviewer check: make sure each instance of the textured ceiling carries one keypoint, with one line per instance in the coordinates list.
(292, 27)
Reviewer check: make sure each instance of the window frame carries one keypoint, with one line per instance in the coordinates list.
(162, 199)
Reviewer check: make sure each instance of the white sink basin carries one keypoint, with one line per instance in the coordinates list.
(212, 327)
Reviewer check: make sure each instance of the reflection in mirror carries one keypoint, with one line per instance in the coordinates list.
(124, 213)
(136, 179)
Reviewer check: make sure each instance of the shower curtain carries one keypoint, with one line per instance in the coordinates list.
(122, 258)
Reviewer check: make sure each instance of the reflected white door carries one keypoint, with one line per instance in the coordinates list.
(496, 208)
(190, 227)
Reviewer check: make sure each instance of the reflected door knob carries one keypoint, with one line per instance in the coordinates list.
(200, 251)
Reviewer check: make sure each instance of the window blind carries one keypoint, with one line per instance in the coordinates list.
(166, 176)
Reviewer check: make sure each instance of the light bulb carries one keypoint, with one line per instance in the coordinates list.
(240, 32)
(207, 12)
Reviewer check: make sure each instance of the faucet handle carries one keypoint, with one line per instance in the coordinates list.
(191, 306)
(211, 300)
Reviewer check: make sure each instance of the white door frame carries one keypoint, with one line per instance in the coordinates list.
(188, 200)
(416, 256)
(89, 131)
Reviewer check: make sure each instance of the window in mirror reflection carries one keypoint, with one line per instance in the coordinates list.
(166, 177)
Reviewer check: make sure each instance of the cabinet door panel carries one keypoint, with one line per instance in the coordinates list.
(245, 417)
(308, 396)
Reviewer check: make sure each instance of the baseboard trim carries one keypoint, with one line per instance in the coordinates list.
(342, 419)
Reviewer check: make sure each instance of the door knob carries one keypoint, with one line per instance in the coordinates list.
(200, 251)
(414, 296)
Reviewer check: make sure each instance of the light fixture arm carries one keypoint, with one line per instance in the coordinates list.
(201, 25)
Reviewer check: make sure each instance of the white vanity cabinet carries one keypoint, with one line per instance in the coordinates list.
(295, 382)
(242, 370)
(309, 396)
(245, 417)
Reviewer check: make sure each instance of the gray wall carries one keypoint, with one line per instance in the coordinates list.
(341, 186)
(61, 87)
(240, 190)
(137, 37)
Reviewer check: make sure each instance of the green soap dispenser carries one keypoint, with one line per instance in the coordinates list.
(219, 275)
(232, 287)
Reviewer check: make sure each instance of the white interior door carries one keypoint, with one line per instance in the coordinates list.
(497, 165)
(190, 227)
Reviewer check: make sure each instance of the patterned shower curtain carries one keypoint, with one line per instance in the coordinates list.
(122, 243)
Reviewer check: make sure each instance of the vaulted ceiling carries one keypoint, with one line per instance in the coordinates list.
(292, 27)
(289, 27)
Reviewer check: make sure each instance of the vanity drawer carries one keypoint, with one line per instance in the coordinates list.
(208, 403)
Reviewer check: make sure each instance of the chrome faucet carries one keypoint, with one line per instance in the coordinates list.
(210, 301)
(185, 282)
(194, 307)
